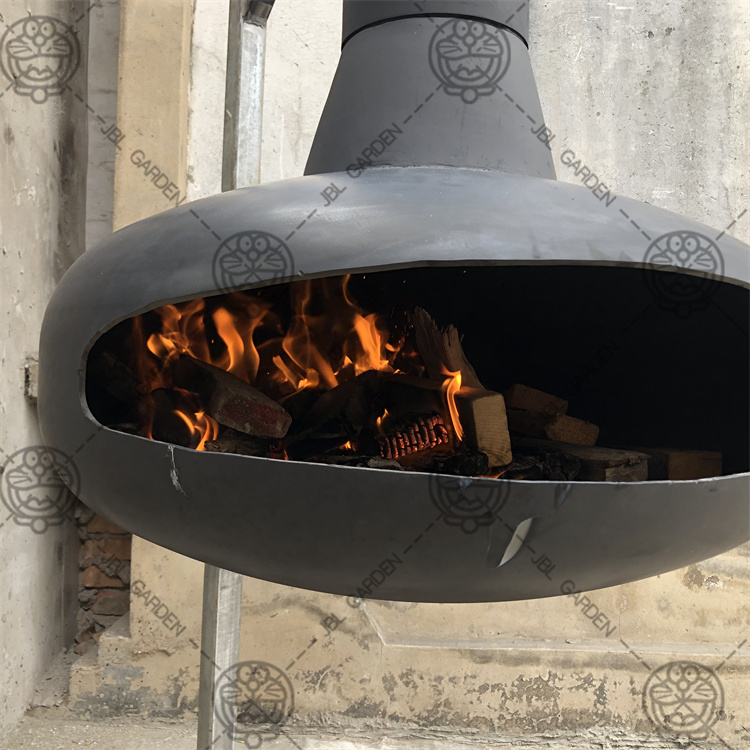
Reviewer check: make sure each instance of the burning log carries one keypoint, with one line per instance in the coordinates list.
(403, 396)
(169, 421)
(597, 464)
(230, 401)
(231, 441)
(337, 416)
(481, 414)
(421, 433)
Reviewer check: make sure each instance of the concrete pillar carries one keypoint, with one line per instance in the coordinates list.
(43, 155)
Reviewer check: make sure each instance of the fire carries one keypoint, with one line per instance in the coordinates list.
(326, 341)
(379, 422)
(451, 385)
(200, 424)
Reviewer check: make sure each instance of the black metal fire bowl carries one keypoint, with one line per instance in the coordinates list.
(364, 532)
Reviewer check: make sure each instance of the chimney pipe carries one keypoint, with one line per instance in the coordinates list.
(432, 83)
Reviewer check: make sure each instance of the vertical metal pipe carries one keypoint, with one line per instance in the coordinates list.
(220, 648)
(243, 113)
(243, 116)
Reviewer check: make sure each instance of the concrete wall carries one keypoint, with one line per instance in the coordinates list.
(43, 156)
(659, 117)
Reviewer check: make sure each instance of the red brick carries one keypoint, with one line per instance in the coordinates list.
(93, 578)
(99, 525)
(111, 602)
(100, 549)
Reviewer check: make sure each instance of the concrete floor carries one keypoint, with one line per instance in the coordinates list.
(52, 730)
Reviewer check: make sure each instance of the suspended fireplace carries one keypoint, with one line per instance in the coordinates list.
(426, 370)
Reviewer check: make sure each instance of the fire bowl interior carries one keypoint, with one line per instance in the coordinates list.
(645, 373)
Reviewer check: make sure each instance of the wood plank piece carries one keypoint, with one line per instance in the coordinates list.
(566, 429)
(485, 424)
(681, 464)
(532, 400)
(441, 349)
(598, 464)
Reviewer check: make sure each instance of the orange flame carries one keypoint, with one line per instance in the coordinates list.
(201, 424)
(328, 340)
(451, 386)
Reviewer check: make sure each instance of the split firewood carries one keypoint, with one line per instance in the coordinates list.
(230, 401)
(561, 428)
(566, 429)
(535, 413)
(441, 350)
(679, 463)
(481, 413)
(597, 464)
(485, 424)
(534, 401)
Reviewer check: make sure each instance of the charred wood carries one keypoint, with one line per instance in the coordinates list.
(337, 416)
(230, 401)
(461, 464)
